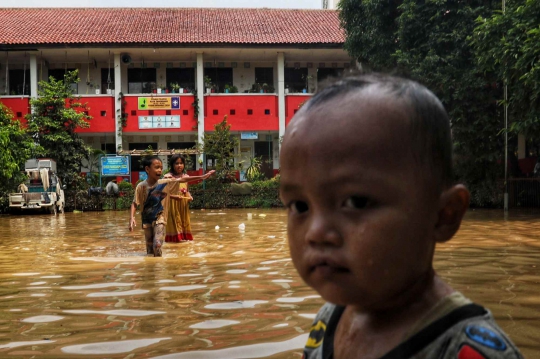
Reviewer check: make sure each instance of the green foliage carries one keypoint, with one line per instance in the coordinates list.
(371, 29)
(56, 116)
(507, 46)
(265, 194)
(428, 42)
(93, 163)
(125, 186)
(16, 146)
(253, 172)
(221, 145)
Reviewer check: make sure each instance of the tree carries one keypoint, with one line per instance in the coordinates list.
(16, 146)
(93, 163)
(508, 47)
(221, 145)
(428, 42)
(56, 116)
(371, 31)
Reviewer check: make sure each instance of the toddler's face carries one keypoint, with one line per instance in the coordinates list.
(360, 219)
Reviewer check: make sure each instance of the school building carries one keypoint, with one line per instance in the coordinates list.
(164, 77)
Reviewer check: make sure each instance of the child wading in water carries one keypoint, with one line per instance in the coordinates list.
(366, 176)
(178, 227)
(153, 195)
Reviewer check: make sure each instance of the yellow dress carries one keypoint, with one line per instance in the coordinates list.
(178, 227)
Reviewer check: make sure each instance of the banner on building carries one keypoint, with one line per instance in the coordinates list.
(249, 135)
(114, 166)
(159, 103)
(158, 122)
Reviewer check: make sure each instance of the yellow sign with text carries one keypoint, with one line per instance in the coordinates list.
(155, 103)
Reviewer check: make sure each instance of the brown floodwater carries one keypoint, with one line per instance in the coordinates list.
(78, 285)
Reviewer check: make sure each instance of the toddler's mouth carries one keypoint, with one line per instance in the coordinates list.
(327, 268)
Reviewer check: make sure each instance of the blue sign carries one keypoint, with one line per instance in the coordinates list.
(143, 175)
(249, 135)
(115, 166)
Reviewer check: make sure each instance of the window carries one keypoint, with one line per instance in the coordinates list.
(264, 75)
(19, 82)
(141, 80)
(106, 81)
(136, 161)
(58, 75)
(108, 148)
(295, 78)
(220, 76)
(191, 160)
(184, 77)
(323, 74)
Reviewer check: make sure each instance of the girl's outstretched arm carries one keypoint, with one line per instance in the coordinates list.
(195, 178)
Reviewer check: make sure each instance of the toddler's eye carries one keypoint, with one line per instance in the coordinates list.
(357, 202)
(298, 206)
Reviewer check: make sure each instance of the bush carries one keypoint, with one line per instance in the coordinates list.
(265, 194)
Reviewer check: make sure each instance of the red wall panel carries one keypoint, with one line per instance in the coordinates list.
(292, 104)
(101, 108)
(264, 112)
(18, 105)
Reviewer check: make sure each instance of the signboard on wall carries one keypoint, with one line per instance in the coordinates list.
(159, 103)
(158, 122)
(249, 135)
(114, 166)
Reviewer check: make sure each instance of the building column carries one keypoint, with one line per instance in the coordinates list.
(200, 101)
(118, 101)
(33, 76)
(522, 148)
(281, 94)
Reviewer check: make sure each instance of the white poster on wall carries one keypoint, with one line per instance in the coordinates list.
(157, 122)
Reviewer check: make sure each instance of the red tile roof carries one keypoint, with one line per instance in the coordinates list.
(169, 25)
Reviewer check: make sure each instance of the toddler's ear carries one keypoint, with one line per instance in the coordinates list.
(454, 202)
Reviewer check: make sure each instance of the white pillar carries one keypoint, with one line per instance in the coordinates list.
(33, 76)
(522, 146)
(281, 93)
(33, 79)
(200, 98)
(118, 101)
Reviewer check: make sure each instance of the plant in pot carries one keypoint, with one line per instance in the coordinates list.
(227, 88)
(234, 89)
(175, 87)
(255, 88)
(208, 84)
(98, 91)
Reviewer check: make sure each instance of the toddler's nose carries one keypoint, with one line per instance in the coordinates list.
(322, 230)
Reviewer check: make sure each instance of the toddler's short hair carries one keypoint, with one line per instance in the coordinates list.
(430, 134)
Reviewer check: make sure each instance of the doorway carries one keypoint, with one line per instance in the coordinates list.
(263, 149)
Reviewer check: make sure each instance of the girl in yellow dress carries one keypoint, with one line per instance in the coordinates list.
(178, 223)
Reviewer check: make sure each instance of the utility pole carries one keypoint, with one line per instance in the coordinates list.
(505, 133)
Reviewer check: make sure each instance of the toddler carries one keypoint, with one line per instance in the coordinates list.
(366, 176)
